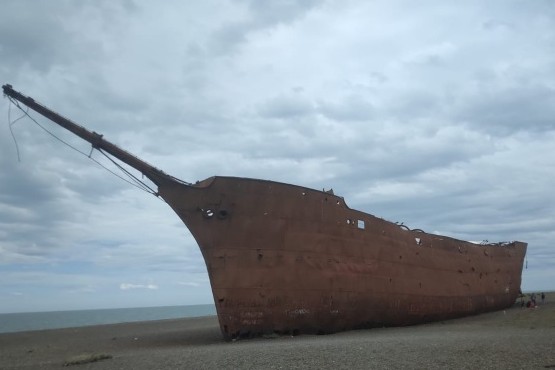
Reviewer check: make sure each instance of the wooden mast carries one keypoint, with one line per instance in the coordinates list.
(156, 175)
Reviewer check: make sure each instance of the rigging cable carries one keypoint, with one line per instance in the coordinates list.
(10, 124)
(134, 180)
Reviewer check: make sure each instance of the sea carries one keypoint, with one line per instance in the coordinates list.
(15, 322)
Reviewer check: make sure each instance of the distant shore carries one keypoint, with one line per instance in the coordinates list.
(512, 339)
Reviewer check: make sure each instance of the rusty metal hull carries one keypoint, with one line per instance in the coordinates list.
(287, 259)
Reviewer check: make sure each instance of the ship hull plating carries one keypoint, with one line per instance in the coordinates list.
(287, 259)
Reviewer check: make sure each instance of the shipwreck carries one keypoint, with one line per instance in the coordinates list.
(283, 258)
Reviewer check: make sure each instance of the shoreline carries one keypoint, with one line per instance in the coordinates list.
(42, 320)
(511, 339)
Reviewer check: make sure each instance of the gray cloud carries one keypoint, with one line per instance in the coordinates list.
(351, 108)
(286, 107)
(505, 111)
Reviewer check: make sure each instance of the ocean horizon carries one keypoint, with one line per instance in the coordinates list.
(28, 321)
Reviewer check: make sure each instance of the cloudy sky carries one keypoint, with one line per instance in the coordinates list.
(440, 115)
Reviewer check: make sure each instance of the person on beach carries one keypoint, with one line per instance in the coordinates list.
(543, 297)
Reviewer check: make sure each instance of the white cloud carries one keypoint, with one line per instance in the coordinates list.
(127, 286)
(189, 283)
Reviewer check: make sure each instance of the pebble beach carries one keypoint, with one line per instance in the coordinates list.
(515, 338)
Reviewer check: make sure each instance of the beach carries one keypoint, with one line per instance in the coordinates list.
(515, 338)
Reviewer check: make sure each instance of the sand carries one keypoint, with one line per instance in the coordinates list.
(516, 338)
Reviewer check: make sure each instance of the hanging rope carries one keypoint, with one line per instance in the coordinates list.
(10, 124)
(132, 179)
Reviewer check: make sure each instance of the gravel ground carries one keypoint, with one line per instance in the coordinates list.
(513, 339)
